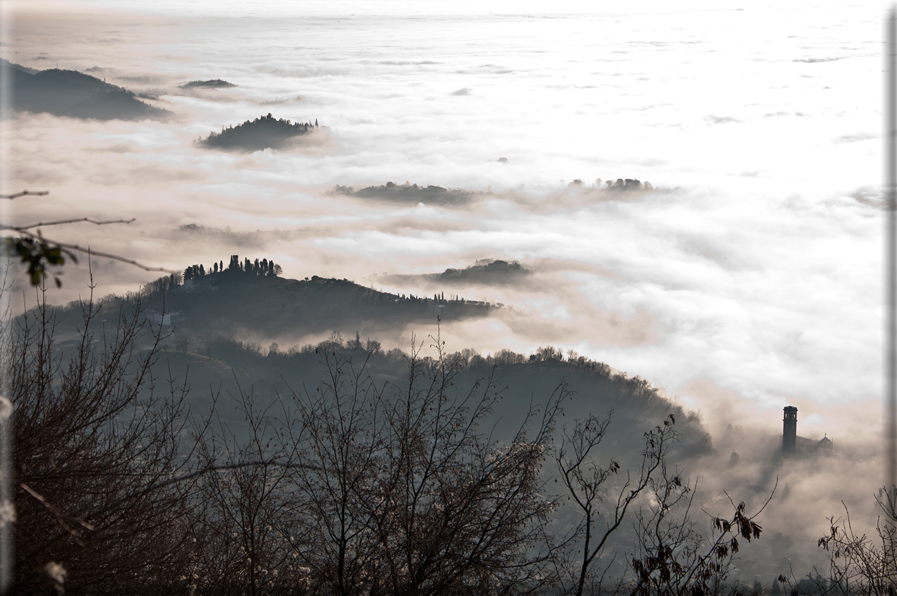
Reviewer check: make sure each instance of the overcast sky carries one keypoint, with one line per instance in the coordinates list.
(751, 281)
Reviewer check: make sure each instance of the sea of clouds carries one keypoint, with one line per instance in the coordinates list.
(751, 280)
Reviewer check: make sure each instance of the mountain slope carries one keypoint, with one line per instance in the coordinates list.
(76, 95)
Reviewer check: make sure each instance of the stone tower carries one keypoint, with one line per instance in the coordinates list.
(789, 432)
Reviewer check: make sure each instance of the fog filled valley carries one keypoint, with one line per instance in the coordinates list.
(442, 298)
(227, 425)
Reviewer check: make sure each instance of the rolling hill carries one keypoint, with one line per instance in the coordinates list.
(75, 95)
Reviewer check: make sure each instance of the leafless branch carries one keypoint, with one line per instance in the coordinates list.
(25, 193)
(22, 229)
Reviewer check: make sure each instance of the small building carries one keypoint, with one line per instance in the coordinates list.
(793, 445)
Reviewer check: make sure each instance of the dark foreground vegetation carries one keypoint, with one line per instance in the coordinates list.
(348, 485)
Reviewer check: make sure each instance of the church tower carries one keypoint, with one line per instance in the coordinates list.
(789, 432)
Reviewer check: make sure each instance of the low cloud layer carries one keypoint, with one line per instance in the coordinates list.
(749, 279)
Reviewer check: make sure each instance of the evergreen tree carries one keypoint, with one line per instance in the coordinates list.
(215, 267)
(202, 270)
(256, 267)
(247, 265)
(188, 273)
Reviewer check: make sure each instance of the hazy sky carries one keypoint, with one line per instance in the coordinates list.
(752, 283)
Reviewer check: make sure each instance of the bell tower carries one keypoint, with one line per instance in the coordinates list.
(789, 432)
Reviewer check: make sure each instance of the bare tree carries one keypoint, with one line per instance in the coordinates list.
(859, 564)
(182, 344)
(97, 448)
(676, 559)
(405, 495)
(586, 481)
(241, 509)
(672, 557)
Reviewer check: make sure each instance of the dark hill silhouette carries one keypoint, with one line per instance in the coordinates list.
(265, 132)
(227, 365)
(483, 272)
(4, 63)
(214, 312)
(213, 83)
(76, 95)
(242, 300)
(409, 193)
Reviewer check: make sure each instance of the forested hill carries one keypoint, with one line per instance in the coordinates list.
(249, 299)
(269, 371)
(74, 94)
(265, 132)
(484, 271)
(219, 319)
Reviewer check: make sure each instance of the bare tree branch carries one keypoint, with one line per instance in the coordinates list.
(39, 252)
(22, 229)
(25, 193)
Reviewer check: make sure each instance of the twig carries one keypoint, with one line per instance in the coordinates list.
(26, 232)
(21, 229)
(25, 193)
(60, 516)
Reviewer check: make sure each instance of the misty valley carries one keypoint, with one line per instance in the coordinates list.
(161, 450)
(328, 299)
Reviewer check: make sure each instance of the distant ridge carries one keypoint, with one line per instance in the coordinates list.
(409, 192)
(4, 63)
(74, 94)
(483, 272)
(214, 83)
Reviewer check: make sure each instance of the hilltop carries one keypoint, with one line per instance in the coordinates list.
(483, 272)
(213, 83)
(265, 132)
(75, 95)
(217, 318)
(250, 299)
(409, 193)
